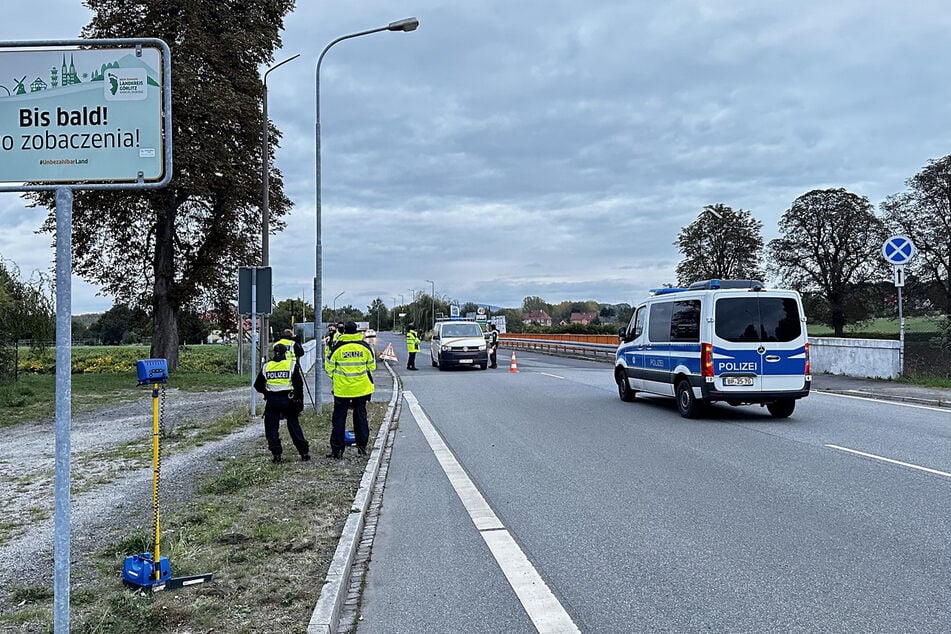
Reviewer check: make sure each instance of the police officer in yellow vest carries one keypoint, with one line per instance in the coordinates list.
(412, 346)
(350, 366)
(282, 385)
(294, 351)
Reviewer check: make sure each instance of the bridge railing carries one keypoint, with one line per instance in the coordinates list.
(594, 346)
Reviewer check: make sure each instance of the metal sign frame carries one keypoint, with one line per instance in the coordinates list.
(165, 56)
(64, 265)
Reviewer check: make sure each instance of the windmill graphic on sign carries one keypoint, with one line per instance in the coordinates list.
(20, 89)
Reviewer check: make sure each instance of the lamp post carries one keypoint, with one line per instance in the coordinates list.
(265, 211)
(394, 315)
(406, 24)
(335, 303)
(434, 302)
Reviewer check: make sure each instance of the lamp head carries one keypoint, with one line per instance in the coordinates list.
(406, 24)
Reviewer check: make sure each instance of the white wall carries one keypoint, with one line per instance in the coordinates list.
(875, 358)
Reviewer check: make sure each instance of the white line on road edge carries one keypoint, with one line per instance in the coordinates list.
(546, 613)
(326, 614)
(883, 459)
(554, 376)
(890, 401)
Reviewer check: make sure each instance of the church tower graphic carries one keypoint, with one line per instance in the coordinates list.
(68, 75)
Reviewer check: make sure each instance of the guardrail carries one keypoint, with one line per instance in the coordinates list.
(596, 346)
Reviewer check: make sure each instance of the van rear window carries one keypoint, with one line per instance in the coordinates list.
(758, 318)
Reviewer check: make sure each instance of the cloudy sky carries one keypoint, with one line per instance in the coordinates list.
(556, 148)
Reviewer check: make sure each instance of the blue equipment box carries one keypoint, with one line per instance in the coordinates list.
(139, 570)
(152, 370)
(348, 437)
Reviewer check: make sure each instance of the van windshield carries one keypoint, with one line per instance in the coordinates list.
(758, 318)
(462, 330)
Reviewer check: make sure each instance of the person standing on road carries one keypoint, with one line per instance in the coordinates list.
(282, 385)
(294, 350)
(492, 342)
(412, 346)
(350, 367)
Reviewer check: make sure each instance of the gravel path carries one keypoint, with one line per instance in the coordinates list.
(111, 495)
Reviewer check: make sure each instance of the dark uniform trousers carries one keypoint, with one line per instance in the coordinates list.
(278, 405)
(361, 425)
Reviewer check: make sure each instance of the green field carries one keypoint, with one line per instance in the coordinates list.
(881, 328)
(102, 375)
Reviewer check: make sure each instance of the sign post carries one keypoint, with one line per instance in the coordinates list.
(898, 251)
(81, 114)
(254, 298)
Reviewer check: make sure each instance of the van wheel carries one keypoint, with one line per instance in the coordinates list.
(624, 390)
(782, 408)
(687, 403)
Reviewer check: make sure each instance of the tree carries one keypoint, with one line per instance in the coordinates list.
(119, 324)
(720, 244)
(923, 213)
(377, 314)
(533, 303)
(830, 246)
(179, 248)
(27, 308)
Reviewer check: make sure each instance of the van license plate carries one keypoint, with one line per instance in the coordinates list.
(738, 381)
(465, 360)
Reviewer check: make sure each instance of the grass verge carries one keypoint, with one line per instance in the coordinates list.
(267, 531)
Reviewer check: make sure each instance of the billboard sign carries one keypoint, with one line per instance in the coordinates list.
(71, 114)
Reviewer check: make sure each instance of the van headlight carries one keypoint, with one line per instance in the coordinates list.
(444, 348)
(482, 347)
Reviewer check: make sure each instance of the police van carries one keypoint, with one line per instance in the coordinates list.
(718, 340)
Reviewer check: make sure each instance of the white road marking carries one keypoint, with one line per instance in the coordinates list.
(541, 605)
(554, 376)
(871, 397)
(890, 460)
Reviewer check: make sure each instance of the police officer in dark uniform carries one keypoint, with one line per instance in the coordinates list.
(282, 385)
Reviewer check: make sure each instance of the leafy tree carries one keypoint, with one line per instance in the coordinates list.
(923, 213)
(830, 246)
(533, 302)
(181, 246)
(720, 244)
(27, 308)
(378, 315)
(119, 324)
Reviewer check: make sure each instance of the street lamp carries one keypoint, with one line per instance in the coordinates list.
(335, 303)
(407, 24)
(265, 211)
(434, 302)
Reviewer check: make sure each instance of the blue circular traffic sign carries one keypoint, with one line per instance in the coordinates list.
(898, 250)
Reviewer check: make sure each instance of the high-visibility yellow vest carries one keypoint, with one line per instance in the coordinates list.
(289, 354)
(278, 375)
(349, 365)
(412, 341)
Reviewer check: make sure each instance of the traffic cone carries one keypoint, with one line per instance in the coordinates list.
(514, 367)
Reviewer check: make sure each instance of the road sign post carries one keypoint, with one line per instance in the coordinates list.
(97, 114)
(898, 251)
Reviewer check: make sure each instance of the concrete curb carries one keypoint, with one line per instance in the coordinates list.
(326, 614)
(898, 398)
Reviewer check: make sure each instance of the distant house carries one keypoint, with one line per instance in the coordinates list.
(582, 318)
(37, 85)
(537, 317)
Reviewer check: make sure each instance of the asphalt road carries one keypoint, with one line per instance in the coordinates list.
(638, 520)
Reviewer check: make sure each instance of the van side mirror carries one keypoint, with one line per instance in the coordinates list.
(622, 334)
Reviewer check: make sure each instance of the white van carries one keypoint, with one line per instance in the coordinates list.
(458, 343)
(729, 340)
